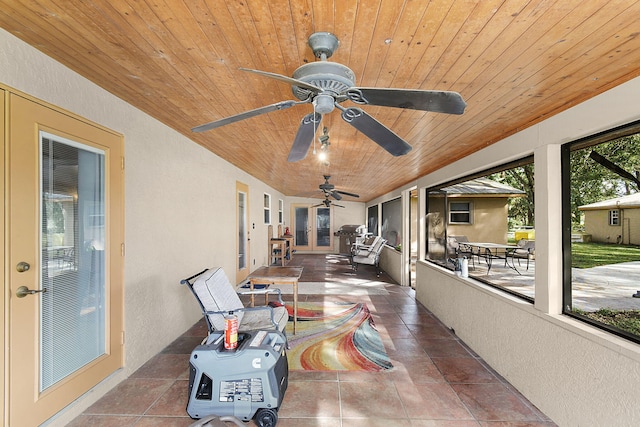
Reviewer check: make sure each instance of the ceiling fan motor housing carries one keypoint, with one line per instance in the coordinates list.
(328, 76)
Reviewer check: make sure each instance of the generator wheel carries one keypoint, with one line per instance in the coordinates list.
(266, 417)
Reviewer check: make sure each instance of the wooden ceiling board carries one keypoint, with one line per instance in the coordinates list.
(515, 62)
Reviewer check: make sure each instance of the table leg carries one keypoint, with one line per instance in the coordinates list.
(253, 299)
(295, 306)
(507, 252)
(489, 259)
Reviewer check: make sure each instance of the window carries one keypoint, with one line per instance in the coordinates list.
(487, 218)
(614, 217)
(392, 222)
(267, 208)
(601, 216)
(460, 212)
(372, 219)
(280, 211)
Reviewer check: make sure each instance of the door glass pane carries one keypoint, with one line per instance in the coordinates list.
(301, 226)
(323, 226)
(72, 331)
(242, 230)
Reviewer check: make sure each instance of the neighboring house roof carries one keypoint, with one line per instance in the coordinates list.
(630, 201)
(483, 187)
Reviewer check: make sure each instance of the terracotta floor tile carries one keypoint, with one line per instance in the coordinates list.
(184, 344)
(311, 399)
(444, 348)
(403, 348)
(164, 422)
(167, 366)
(444, 423)
(132, 396)
(376, 422)
(389, 318)
(379, 307)
(516, 424)
(103, 421)
(463, 370)
(430, 331)
(423, 370)
(295, 375)
(370, 400)
(435, 401)
(309, 422)
(387, 331)
(366, 377)
(435, 378)
(417, 318)
(494, 402)
(173, 402)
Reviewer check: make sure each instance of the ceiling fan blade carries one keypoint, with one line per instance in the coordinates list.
(347, 194)
(282, 105)
(290, 80)
(437, 101)
(337, 206)
(336, 195)
(304, 137)
(379, 133)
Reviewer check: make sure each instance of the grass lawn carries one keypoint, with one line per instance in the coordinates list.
(626, 320)
(587, 255)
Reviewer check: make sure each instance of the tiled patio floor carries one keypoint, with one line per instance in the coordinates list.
(436, 380)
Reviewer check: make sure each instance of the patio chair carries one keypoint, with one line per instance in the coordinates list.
(457, 245)
(362, 243)
(526, 250)
(369, 255)
(217, 297)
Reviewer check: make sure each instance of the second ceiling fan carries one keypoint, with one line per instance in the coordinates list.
(326, 85)
(329, 190)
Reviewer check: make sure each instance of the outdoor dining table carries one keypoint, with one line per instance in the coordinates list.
(491, 251)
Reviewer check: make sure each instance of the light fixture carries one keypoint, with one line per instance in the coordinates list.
(323, 104)
(323, 155)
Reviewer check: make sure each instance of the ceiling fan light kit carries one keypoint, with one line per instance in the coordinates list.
(326, 85)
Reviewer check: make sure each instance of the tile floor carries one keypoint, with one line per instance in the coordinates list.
(436, 380)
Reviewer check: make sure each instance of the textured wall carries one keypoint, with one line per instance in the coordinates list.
(174, 190)
(576, 374)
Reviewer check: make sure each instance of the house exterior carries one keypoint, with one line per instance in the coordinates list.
(482, 201)
(614, 220)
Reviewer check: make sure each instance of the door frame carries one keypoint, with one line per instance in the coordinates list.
(311, 228)
(4, 353)
(33, 116)
(241, 274)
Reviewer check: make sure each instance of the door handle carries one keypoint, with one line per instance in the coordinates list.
(23, 291)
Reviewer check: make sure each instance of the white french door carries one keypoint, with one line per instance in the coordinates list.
(312, 228)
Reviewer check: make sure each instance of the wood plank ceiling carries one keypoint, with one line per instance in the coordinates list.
(515, 62)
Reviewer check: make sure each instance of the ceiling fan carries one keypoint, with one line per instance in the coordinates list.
(329, 190)
(327, 202)
(326, 85)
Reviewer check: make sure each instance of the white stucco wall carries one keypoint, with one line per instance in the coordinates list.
(576, 374)
(179, 207)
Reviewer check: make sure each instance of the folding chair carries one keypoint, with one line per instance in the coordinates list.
(217, 297)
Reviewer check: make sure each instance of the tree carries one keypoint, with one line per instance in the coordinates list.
(592, 182)
(521, 209)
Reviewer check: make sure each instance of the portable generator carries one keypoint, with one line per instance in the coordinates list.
(246, 382)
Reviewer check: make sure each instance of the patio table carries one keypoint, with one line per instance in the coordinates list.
(491, 251)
